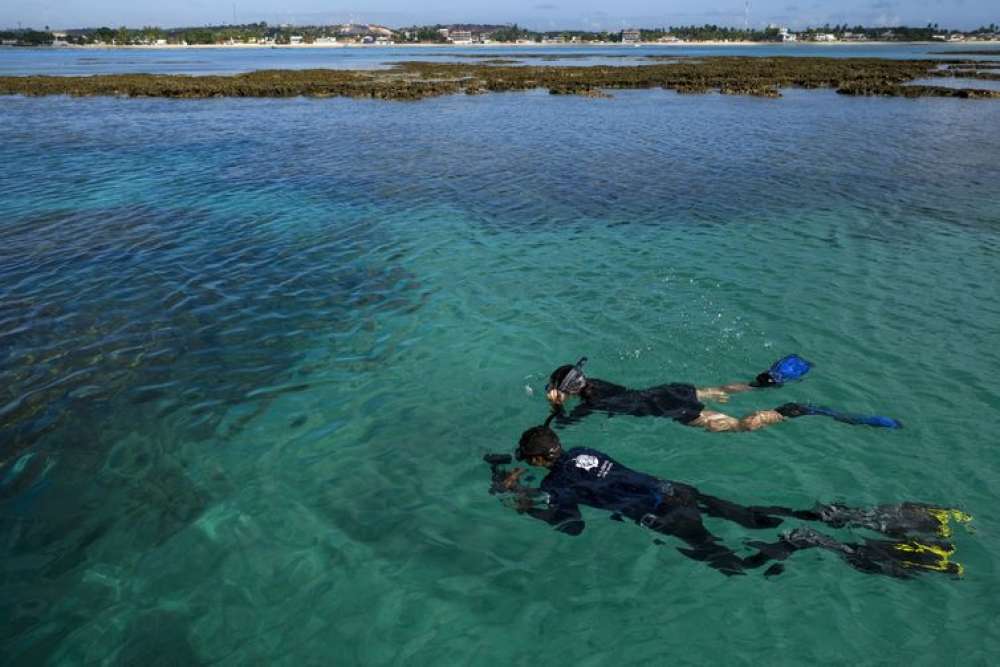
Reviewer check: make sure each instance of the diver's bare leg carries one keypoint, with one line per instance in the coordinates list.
(718, 422)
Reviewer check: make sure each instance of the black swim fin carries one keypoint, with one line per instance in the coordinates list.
(895, 520)
(903, 559)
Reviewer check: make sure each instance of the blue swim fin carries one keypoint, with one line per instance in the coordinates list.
(804, 409)
(857, 420)
(787, 369)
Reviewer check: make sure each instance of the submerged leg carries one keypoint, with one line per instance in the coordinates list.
(894, 520)
(901, 559)
(778, 510)
(748, 517)
(786, 369)
(717, 422)
(685, 523)
(792, 410)
(714, 421)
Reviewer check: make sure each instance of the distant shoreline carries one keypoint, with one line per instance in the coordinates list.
(504, 45)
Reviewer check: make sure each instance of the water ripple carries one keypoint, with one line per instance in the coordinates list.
(252, 351)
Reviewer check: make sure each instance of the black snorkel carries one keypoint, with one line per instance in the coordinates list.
(522, 454)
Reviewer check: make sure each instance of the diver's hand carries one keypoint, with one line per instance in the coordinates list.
(520, 502)
(555, 398)
(512, 478)
(713, 394)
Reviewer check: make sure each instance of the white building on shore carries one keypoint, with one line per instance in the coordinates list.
(631, 36)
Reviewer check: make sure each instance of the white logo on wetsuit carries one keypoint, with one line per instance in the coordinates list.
(586, 461)
(605, 469)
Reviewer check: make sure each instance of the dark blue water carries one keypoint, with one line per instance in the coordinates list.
(251, 352)
(81, 62)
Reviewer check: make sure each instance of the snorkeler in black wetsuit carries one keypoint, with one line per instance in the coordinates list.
(684, 402)
(583, 476)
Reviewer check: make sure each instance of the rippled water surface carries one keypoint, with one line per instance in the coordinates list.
(82, 62)
(251, 353)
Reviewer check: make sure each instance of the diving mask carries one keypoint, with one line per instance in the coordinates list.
(574, 381)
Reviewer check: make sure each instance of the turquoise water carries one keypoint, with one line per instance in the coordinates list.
(82, 62)
(251, 353)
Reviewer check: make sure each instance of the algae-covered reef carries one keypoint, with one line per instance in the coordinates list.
(416, 80)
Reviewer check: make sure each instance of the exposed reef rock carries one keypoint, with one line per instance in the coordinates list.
(417, 80)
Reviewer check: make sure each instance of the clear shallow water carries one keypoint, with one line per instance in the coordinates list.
(252, 352)
(82, 62)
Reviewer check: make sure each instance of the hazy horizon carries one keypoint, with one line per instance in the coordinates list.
(535, 14)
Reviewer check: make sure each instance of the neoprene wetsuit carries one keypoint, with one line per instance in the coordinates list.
(584, 476)
(676, 401)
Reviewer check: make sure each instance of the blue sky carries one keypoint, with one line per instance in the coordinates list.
(539, 14)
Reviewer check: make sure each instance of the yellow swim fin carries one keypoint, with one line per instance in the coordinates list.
(935, 556)
(944, 517)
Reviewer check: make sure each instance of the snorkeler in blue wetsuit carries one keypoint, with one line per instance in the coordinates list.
(582, 476)
(685, 402)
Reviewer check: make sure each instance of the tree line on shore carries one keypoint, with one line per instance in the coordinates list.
(440, 33)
